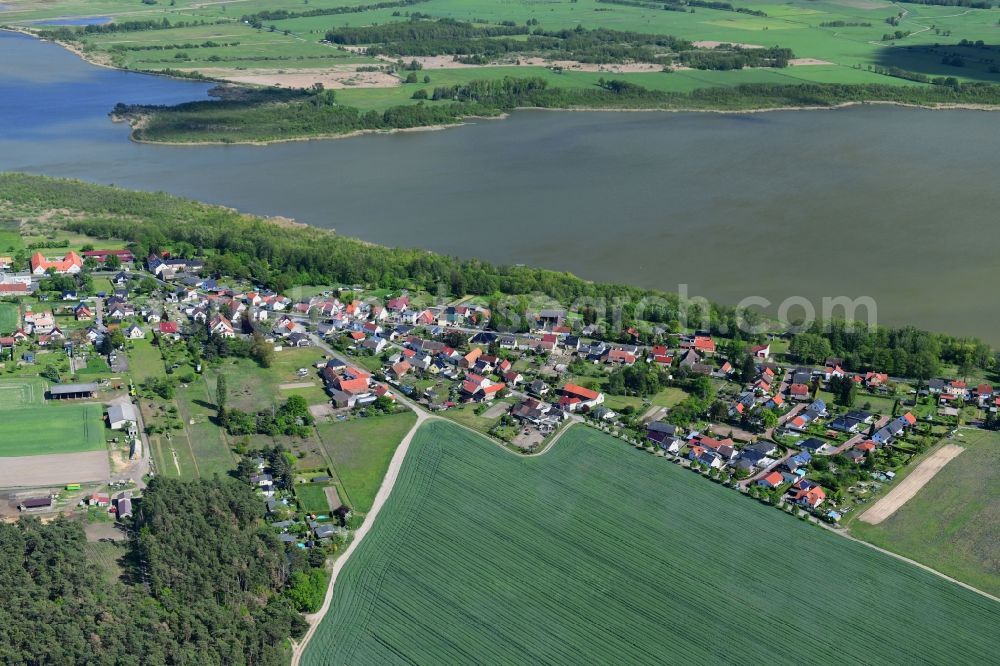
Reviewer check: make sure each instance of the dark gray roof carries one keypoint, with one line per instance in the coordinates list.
(63, 389)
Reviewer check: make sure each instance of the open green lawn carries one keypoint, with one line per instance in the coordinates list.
(951, 523)
(597, 553)
(18, 393)
(9, 318)
(312, 498)
(252, 388)
(144, 360)
(47, 429)
(360, 450)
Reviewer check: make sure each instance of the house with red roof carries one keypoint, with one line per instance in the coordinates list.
(399, 369)
(772, 480)
(575, 398)
(761, 351)
(798, 392)
(169, 330)
(809, 496)
(704, 344)
(68, 265)
(14, 289)
(469, 360)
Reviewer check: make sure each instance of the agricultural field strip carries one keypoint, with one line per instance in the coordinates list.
(408, 515)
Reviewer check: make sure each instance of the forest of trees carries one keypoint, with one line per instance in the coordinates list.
(205, 583)
(736, 58)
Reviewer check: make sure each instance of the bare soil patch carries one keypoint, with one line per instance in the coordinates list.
(909, 486)
(333, 497)
(710, 44)
(800, 62)
(296, 385)
(54, 470)
(346, 76)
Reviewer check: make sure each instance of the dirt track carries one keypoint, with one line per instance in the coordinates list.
(54, 470)
(909, 486)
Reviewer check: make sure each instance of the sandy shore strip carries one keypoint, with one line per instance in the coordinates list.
(912, 484)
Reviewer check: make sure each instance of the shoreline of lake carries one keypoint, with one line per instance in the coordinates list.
(80, 53)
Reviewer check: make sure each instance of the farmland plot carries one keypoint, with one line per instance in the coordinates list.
(596, 553)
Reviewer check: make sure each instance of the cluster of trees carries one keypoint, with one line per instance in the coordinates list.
(257, 20)
(450, 37)
(845, 24)
(844, 390)
(685, 5)
(278, 459)
(292, 418)
(972, 4)
(736, 58)
(68, 34)
(641, 379)
(906, 351)
(204, 584)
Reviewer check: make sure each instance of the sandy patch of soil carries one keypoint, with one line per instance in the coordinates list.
(296, 385)
(333, 497)
(909, 486)
(709, 44)
(800, 62)
(332, 77)
(322, 411)
(54, 470)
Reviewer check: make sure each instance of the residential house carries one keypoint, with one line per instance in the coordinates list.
(70, 264)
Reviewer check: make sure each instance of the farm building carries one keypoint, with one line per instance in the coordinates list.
(121, 415)
(35, 504)
(72, 391)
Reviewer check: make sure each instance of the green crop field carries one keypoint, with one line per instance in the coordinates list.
(598, 553)
(9, 318)
(47, 429)
(950, 524)
(360, 451)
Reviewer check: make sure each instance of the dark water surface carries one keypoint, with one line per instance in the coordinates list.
(897, 204)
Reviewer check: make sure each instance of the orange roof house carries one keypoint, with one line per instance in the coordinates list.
(71, 263)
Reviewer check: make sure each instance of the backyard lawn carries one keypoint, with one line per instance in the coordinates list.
(360, 450)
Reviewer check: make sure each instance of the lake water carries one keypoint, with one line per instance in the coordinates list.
(897, 204)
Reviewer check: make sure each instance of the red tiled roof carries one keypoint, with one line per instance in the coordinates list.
(580, 392)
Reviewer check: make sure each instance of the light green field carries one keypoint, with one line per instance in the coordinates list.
(9, 317)
(360, 450)
(294, 43)
(18, 393)
(481, 556)
(48, 429)
(950, 524)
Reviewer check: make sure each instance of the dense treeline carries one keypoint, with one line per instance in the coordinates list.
(67, 34)
(449, 37)
(418, 31)
(204, 585)
(684, 5)
(973, 4)
(737, 58)
(903, 352)
(256, 20)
